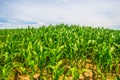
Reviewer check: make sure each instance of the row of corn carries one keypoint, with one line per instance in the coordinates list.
(60, 52)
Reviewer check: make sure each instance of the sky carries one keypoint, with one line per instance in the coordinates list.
(96, 13)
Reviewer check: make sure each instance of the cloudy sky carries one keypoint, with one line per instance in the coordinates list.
(21, 13)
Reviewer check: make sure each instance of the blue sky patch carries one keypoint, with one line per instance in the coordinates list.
(105, 13)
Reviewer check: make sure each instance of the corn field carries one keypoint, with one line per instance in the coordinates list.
(60, 52)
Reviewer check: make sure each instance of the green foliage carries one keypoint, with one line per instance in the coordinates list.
(34, 50)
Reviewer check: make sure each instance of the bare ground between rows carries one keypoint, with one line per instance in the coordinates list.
(88, 74)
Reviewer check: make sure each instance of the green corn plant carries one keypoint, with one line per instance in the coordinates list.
(57, 71)
(6, 70)
(75, 75)
(36, 48)
(75, 72)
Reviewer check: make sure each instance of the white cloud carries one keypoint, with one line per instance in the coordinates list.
(83, 12)
(1, 23)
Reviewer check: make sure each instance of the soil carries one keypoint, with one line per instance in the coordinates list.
(86, 75)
